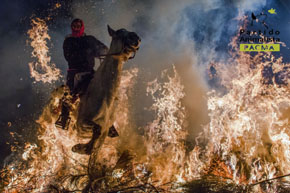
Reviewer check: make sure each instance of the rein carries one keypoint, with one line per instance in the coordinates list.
(103, 56)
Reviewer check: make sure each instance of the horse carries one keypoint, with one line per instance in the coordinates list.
(96, 107)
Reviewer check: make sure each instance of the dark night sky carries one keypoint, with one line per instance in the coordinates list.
(16, 84)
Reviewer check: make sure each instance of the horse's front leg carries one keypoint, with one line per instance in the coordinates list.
(112, 130)
(95, 168)
(87, 148)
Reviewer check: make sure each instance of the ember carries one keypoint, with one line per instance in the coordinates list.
(245, 144)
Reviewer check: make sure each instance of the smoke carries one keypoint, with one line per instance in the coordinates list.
(189, 34)
(186, 33)
(162, 28)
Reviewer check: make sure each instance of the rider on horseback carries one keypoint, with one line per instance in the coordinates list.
(80, 51)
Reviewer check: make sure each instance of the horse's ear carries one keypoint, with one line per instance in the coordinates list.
(111, 31)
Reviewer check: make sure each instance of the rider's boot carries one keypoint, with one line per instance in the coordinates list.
(64, 117)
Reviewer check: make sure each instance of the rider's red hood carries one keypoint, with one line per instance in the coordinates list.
(79, 32)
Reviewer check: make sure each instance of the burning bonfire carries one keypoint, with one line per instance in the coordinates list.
(245, 147)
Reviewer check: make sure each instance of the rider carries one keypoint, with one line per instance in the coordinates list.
(80, 51)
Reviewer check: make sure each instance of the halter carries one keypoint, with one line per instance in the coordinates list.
(103, 56)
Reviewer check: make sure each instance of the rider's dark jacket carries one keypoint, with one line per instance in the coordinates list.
(80, 53)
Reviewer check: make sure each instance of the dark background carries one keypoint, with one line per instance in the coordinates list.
(209, 29)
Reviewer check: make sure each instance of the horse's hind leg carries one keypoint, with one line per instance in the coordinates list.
(87, 148)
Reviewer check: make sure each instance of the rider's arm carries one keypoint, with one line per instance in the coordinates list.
(66, 49)
(101, 49)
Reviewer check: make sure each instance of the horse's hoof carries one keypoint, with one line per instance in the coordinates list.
(82, 149)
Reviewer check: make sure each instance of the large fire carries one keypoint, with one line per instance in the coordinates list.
(245, 143)
(42, 70)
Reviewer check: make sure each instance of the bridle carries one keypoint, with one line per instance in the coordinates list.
(103, 56)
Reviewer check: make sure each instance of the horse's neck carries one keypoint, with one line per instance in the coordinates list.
(112, 66)
(110, 73)
(111, 62)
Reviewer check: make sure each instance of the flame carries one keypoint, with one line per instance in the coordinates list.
(42, 70)
(246, 141)
(247, 138)
(244, 121)
(164, 136)
(51, 161)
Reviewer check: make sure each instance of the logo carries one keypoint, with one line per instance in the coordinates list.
(261, 37)
(260, 47)
(272, 11)
(261, 18)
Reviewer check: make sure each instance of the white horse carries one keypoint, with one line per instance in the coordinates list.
(96, 106)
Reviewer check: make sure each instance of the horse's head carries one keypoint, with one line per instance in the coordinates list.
(124, 43)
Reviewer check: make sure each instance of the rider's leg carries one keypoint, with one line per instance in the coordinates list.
(70, 81)
(81, 87)
(65, 111)
(64, 114)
